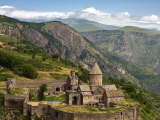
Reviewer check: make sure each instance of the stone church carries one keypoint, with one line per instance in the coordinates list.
(94, 94)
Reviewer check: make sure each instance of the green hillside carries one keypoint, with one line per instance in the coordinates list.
(59, 38)
(85, 27)
(16, 52)
(136, 29)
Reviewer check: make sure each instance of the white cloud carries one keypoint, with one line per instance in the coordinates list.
(152, 18)
(90, 13)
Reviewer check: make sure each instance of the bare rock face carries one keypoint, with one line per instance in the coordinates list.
(138, 84)
(121, 70)
(35, 37)
(66, 35)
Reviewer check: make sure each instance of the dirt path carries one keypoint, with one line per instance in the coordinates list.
(2, 34)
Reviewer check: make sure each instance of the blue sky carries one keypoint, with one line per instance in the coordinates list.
(134, 7)
(141, 13)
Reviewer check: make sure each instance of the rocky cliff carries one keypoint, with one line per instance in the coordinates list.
(138, 47)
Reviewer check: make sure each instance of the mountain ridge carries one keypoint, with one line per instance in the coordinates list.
(59, 38)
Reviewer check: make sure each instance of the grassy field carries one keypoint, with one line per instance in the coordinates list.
(83, 109)
(60, 98)
(18, 92)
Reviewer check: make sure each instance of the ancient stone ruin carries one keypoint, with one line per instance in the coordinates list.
(93, 95)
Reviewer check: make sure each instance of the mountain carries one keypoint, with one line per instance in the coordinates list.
(59, 38)
(74, 21)
(137, 29)
(85, 27)
(51, 69)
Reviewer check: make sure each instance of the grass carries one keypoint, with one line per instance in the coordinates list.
(137, 29)
(59, 76)
(3, 90)
(127, 103)
(83, 109)
(18, 91)
(60, 98)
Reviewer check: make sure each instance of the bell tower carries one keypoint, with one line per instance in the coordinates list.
(95, 75)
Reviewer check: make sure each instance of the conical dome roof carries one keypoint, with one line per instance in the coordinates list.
(95, 69)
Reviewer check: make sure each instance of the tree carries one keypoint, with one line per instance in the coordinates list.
(42, 89)
(123, 81)
(33, 56)
(29, 71)
(44, 57)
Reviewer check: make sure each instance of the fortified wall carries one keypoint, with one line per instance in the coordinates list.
(41, 109)
(28, 84)
(11, 83)
(11, 101)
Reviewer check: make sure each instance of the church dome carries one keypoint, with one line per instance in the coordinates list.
(95, 69)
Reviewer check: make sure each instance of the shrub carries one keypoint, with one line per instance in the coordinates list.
(30, 96)
(3, 77)
(29, 71)
(1, 99)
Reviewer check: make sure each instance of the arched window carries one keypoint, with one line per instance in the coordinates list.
(57, 89)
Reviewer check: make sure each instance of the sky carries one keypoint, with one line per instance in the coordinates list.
(140, 13)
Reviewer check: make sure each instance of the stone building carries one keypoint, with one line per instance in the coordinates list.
(94, 94)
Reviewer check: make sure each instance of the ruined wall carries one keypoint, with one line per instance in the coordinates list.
(11, 83)
(11, 101)
(109, 100)
(53, 83)
(49, 91)
(61, 115)
(25, 109)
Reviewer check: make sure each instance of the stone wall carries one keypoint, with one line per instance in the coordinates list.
(11, 101)
(11, 82)
(109, 100)
(54, 83)
(41, 109)
(49, 91)
(25, 104)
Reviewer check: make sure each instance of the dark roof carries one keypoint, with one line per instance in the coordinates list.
(94, 88)
(114, 93)
(84, 87)
(95, 69)
(109, 87)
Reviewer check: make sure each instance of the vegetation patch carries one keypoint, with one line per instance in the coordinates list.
(3, 77)
(60, 98)
(83, 109)
(18, 91)
(59, 76)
